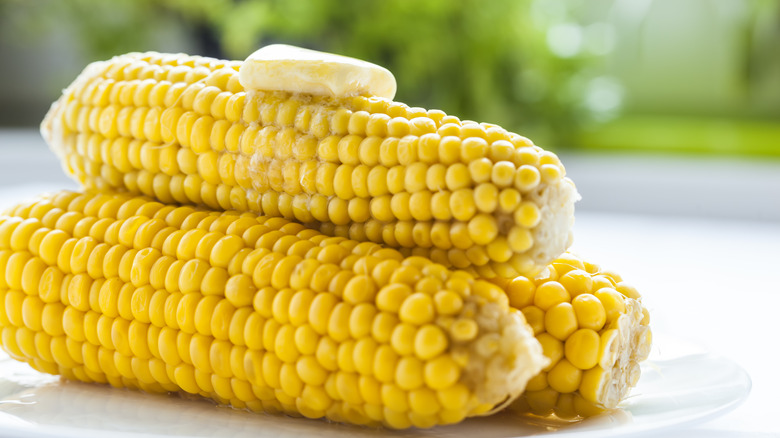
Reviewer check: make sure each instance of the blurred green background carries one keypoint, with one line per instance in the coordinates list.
(694, 76)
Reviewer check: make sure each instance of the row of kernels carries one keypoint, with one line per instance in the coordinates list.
(431, 149)
(445, 236)
(575, 286)
(16, 232)
(362, 124)
(566, 263)
(113, 121)
(142, 232)
(190, 189)
(459, 201)
(378, 105)
(132, 67)
(593, 384)
(214, 73)
(349, 182)
(561, 320)
(203, 134)
(198, 96)
(475, 259)
(320, 118)
(126, 155)
(283, 111)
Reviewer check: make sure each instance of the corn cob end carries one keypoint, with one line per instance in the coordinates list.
(594, 330)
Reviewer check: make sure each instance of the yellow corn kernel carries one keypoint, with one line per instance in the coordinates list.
(552, 348)
(577, 282)
(589, 311)
(560, 321)
(564, 377)
(582, 348)
(549, 294)
(613, 302)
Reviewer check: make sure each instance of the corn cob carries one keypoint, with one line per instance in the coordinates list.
(593, 329)
(184, 129)
(255, 312)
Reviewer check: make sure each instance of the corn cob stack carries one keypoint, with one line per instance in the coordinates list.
(70, 261)
(261, 313)
(593, 329)
(325, 146)
(254, 312)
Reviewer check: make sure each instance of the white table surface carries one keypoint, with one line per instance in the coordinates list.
(713, 282)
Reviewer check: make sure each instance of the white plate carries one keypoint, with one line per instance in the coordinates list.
(680, 386)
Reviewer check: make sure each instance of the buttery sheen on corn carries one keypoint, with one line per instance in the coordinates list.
(593, 329)
(185, 129)
(255, 312)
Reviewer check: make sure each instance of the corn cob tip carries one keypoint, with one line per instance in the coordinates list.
(508, 356)
(631, 346)
(554, 233)
(593, 329)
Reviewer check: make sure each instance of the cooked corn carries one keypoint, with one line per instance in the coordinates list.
(183, 129)
(593, 329)
(255, 312)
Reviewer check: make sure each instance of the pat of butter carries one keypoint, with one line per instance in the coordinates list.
(294, 69)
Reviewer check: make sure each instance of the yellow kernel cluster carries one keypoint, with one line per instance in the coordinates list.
(593, 329)
(183, 130)
(256, 312)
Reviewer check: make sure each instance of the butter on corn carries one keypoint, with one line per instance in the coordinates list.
(593, 329)
(297, 70)
(256, 312)
(186, 129)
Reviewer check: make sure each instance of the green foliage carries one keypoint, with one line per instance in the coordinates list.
(480, 60)
(102, 28)
(547, 69)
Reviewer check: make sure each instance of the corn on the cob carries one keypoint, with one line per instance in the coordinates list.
(183, 129)
(593, 329)
(254, 312)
